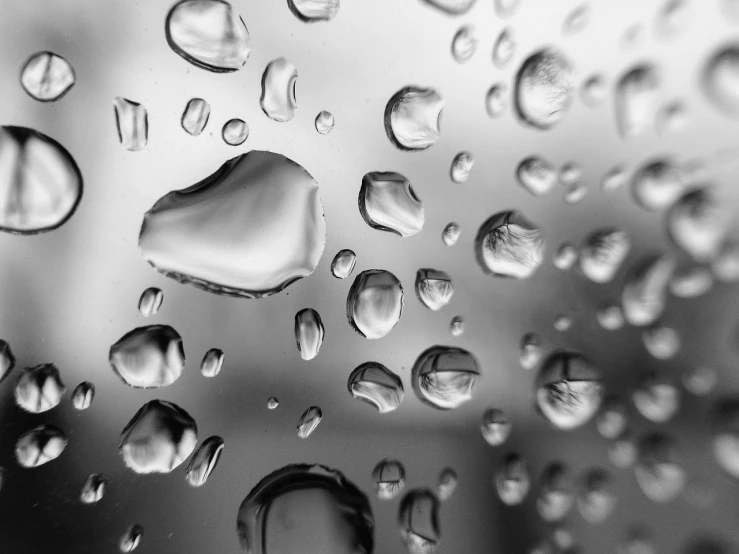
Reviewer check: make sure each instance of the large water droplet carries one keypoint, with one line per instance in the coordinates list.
(132, 123)
(324, 122)
(374, 303)
(452, 7)
(603, 253)
(661, 342)
(556, 497)
(389, 477)
(148, 357)
(596, 499)
(657, 398)
(309, 333)
(645, 292)
(636, 97)
(512, 480)
(47, 77)
(565, 256)
(413, 118)
(536, 175)
(309, 421)
(159, 438)
(433, 288)
(495, 427)
(418, 519)
(39, 446)
(444, 377)
(721, 79)
(697, 224)
(343, 264)
(376, 385)
(544, 89)
(388, 202)
(7, 360)
(150, 301)
(310, 11)
(39, 388)
(83, 395)
(461, 167)
(195, 117)
(509, 245)
(208, 34)
(593, 90)
(611, 421)
(235, 132)
(530, 351)
(450, 234)
(657, 184)
(93, 488)
(496, 100)
(278, 99)
(448, 482)
(204, 461)
(504, 48)
(131, 538)
(726, 436)
(659, 477)
(212, 362)
(464, 44)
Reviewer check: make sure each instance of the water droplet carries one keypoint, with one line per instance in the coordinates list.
(132, 122)
(309, 333)
(305, 508)
(530, 351)
(388, 202)
(512, 480)
(150, 301)
(556, 497)
(159, 438)
(209, 34)
(659, 477)
(610, 316)
(636, 97)
(721, 79)
(671, 118)
(496, 100)
(700, 380)
(562, 323)
(204, 461)
(235, 132)
(148, 357)
(645, 292)
(464, 44)
(324, 122)
(613, 179)
(574, 194)
(93, 488)
(568, 390)
(310, 11)
(595, 500)
(672, 19)
(39, 446)
(697, 224)
(195, 117)
(611, 421)
(389, 477)
(657, 185)
(544, 89)
(47, 77)
(495, 427)
(309, 421)
(563, 539)
(251, 229)
(450, 234)
(603, 253)
(456, 326)
(661, 342)
(570, 173)
(376, 385)
(504, 48)
(452, 7)
(622, 451)
(83, 395)
(448, 481)
(536, 175)
(691, 282)
(506, 8)
(39, 388)
(565, 256)
(638, 541)
(212, 362)
(725, 266)
(577, 20)
(418, 518)
(278, 99)
(7, 360)
(374, 303)
(461, 167)
(632, 36)
(444, 377)
(433, 288)
(657, 399)
(413, 118)
(343, 264)
(594, 91)
(131, 538)
(41, 184)
(272, 403)
(509, 245)
(726, 436)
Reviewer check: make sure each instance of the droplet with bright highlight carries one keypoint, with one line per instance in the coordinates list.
(93, 488)
(593, 91)
(212, 362)
(456, 326)
(278, 99)
(657, 184)
(389, 477)
(376, 385)
(343, 264)
(661, 342)
(450, 234)
(150, 301)
(40, 446)
(418, 518)
(47, 77)
(309, 421)
(512, 480)
(374, 303)
(434, 288)
(657, 398)
(495, 427)
(530, 351)
(132, 122)
(721, 79)
(448, 482)
(235, 132)
(195, 117)
(204, 461)
(544, 89)
(324, 122)
(309, 333)
(603, 254)
(611, 422)
(387, 202)
(509, 245)
(645, 292)
(7, 360)
(83, 395)
(556, 497)
(39, 388)
(726, 436)
(131, 538)
(659, 477)
(698, 224)
(413, 118)
(148, 357)
(610, 316)
(636, 98)
(444, 377)
(536, 175)
(461, 167)
(565, 256)
(596, 499)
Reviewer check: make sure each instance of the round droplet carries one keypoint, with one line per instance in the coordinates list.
(7, 360)
(603, 253)
(413, 118)
(40, 183)
(671, 118)
(565, 256)
(509, 245)
(450, 234)
(657, 399)
(611, 421)
(613, 179)
(39, 388)
(452, 7)
(562, 323)
(418, 519)
(556, 497)
(309, 333)
(657, 185)
(697, 224)
(131, 538)
(195, 117)
(726, 436)
(343, 264)
(544, 89)
(212, 362)
(456, 326)
(622, 451)
(83, 395)
(610, 316)
(272, 403)
(309, 421)
(150, 301)
(159, 438)
(148, 357)
(388, 202)
(208, 34)
(309, 11)
(661, 342)
(324, 122)
(374, 303)
(461, 167)
(691, 282)
(536, 175)
(645, 292)
(700, 380)
(132, 124)
(496, 100)
(448, 481)
(433, 288)
(569, 173)
(574, 194)
(721, 79)
(464, 44)
(659, 477)
(47, 77)
(389, 478)
(596, 500)
(530, 351)
(204, 461)
(251, 229)
(569, 390)
(444, 377)
(504, 48)
(577, 20)
(635, 98)
(39, 446)
(93, 488)
(512, 480)
(235, 132)
(593, 91)
(278, 99)
(376, 385)
(495, 427)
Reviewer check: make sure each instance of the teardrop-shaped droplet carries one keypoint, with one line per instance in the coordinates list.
(603, 253)
(132, 122)
(39, 388)
(278, 99)
(700, 380)
(544, 89)
(504, 48)
(645, 292)
(195, 117)
(509, 245)
(611, 421)
(536, 175)
(272, 403)
(39, 446)
(496, 100)
(374, 303)
(83, 395)
(47, 77)
(148, 357)
(697, 224)
(464, 44)
(512, 480)
(565, 256)
(726, 436)
(418, 519)
(212, 362)
(310, 11)
(433, 288)
(208, 34)
(413, 118)
(657, 184)
(452, 7)
(450, 234)
(661, 342)
(593, 91)
(657, 398)
(159, 438)
(93, 488)
(309, 333)
(389, 478)
(461, 167)
(530, 351)
(204, 461)
(324, 122)
(495, 427)
(610, 316)
(251, 229)
(235, 132)
(613, 179)
(444, 377)
(376, 385)
(388, 202)
(456, 326)
(448, 482)
(556, 497)
(150, 301)
(7, 360)
(636, 98)
(721, 79)
(577, 20)
(309, 421)
(659, 477)
(131, 538)
(343, 264)
(596, 499)
(562, 323)
(691, 282)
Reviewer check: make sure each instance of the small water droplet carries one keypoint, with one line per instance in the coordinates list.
(452, 7)
(376, 385)
(611, 421)
(464, 44)
(204, 461)
(310, 11)
(309, 421)
(565, 256)
(93, 488)
(413, 118)
(671, 118)
(657, 398)
(577, 20)
(195, 117)
(309, 333)
(661, 342)
(721, 79)
(622, 451)
(691, 282)
(47, 77)
(150, 301)
(83, 395)
(461, 167)
(159, 438)
(544, 89)
(496, 100)
(574, 194)
(374, 303)
(433, 288)
(448, 482)
(389, 477)
(596, 500)
(530, 351)
(610, 316)
(278, 99)
(536, 175)
(562, 323)
(272, 403)
(512, 480)
(324, 122)
(343, 264)
(657, 184)
(212, 362)
(659, 477)
(638, 541)
(132, 122)
(700, 380)
(509, 245)
(418, 519)
(235, 132)
(39, 388)
(636, 97)
(632, 36)
(570, 173)
(726, 436)
(603, 253)
(39, 446)
(725, 266)
(148, 357)
(209, 34)
(387, 202)
(697, 224)
(456, 326)
(504, 48)
(645, 292)
(613, 179)
(593, 90)
(556, 498)
(495, 427)
(131, 538)
(506, 8)
(450, 234)
(444, 377)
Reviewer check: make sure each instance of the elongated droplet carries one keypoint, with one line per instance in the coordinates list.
(388, 202)
(448, 482)
(7, 360)
(389, 478)
(309, 421)
(530, 351)
(574, 194)
(544, 89)
(593, 91)
(343, 264)
(309, 509)
(235, 132)
(131, 538)
(159, 438)
(569, 390)
(657, 184)
(721, 79)
(725, 266)
(603, 253)
(565, 256)
(83, 395)
(456, 326)
(450, 234)
(508, 245)
(464, 44)
(93, 488)
(444, 377)
(556, 497)
(562, 323)
(150, 301)
(209, 34)
(504, 48)
(39, 446)
(577, 20)
(433, 288)
(636, 98)
(611, 421)
(661, 342)
(596, 500)
(657, 398)
(418, 519)
(132, 122)
(461, 167)
(324, 122)
(613, 179)
(495, 427)
(645, 292)
(413, 118)
(148, 357)
(310, 11)
(309, 333)
(512, 480)
(374, 303)
(39, 388)
(726, 436)
(496, 100)
(195, 117)
(47, 77)
(251, 229)
(452, 7)
(659, 477)
(697, 224)
(272, 403)
(376, 385)
(278, 99)
(212, 362)
(204, 461)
